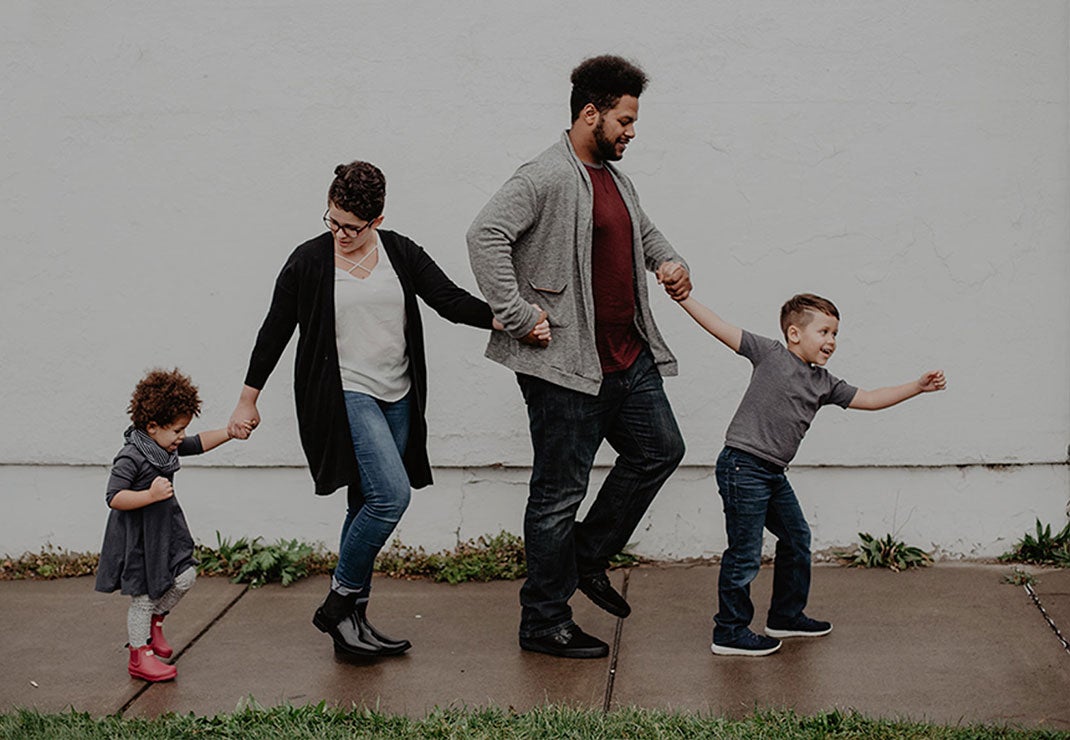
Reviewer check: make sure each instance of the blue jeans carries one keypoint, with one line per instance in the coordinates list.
(757, 495)
(380, 432)
(632, 413)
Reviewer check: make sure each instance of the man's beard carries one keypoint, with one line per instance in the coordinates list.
(607, 149)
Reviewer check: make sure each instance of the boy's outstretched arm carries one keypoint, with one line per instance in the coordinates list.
(882, 398)
(215, 437)
(731, 335)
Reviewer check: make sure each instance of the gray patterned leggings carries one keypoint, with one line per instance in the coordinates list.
(139, 616)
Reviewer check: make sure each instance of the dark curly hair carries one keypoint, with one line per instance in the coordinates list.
(359, 188)
(162, 397)
(603, 81)
(798, 308)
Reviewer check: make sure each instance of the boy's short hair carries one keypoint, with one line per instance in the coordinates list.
(603, 81)
(359, 188)
(163, 396)
(797, 310)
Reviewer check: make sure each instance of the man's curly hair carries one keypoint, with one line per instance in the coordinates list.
(603, 81)
(359, 188)
(163, 396)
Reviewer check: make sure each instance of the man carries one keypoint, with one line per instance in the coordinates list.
(566, 233)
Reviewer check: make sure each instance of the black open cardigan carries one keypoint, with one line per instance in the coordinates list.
(304, 297)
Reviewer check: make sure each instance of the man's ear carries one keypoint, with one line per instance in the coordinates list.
(589, 114)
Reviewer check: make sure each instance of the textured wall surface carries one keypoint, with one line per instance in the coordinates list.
(908, 160)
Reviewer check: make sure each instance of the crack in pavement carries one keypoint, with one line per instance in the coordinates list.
(141, 692)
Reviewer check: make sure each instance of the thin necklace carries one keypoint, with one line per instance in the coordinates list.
(359, 264)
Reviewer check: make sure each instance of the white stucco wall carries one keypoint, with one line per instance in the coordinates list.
(909, 161)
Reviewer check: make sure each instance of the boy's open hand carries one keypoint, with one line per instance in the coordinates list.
(675, 279)
(161, 489)
(932, 381)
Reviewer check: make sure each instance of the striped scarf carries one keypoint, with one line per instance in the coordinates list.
(164, 461)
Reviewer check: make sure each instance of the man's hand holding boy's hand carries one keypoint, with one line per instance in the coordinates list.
(932, 381)
(676, 280)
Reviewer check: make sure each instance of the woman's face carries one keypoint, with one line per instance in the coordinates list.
(351, 232)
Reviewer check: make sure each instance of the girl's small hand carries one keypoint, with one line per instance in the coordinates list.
(161, 489)
(242, 431)
(932, 381)
(243, 421)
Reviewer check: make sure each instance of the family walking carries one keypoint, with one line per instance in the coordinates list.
(560, 253)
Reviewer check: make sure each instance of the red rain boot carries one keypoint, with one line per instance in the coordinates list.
(156, 638)
(143, 664)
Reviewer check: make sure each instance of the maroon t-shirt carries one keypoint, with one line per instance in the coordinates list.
(613, 276)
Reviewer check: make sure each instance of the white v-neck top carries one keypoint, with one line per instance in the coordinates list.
(369, 321)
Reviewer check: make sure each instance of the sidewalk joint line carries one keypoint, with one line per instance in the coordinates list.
(1051, 623)
(612, 677)
(140, 692)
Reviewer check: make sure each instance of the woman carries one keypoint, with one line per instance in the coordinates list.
(360, 380)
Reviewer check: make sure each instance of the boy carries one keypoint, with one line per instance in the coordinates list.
(787, 387)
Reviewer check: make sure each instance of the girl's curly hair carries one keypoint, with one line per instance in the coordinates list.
(163, 396)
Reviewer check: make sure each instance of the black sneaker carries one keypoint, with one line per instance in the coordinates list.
(801, 626)
(568, 642)
(747, 644)
(598, 589)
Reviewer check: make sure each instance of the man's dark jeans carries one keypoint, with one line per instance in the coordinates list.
(756, 495)
(632, 413)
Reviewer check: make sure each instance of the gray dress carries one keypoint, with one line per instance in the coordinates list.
(144, 549)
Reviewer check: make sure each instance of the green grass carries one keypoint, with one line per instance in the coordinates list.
(321, 721)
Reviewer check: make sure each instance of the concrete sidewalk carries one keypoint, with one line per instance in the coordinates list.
(950, 644)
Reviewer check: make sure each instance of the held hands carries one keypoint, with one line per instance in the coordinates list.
(676, 280)
(539, 336)
(243, 431)
(161, 489)
(932, 381)
(243, 421)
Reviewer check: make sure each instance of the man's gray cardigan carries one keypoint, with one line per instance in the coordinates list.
(531, 243)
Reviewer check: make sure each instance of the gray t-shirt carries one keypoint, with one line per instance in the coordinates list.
(783, 396)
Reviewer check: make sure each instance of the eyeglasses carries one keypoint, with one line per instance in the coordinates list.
(351, 231)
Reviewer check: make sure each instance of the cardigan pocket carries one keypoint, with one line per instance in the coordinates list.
(553, 300)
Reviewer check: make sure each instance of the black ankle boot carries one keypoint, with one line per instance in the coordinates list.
(390, 645)
(336, 617)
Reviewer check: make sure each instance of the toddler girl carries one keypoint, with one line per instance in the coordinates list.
(148, 550)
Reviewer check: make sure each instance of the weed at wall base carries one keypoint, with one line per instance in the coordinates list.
(1041, 548)
(886, 552)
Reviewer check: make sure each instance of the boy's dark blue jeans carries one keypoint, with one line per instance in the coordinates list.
(756, 496)
(632, 413)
